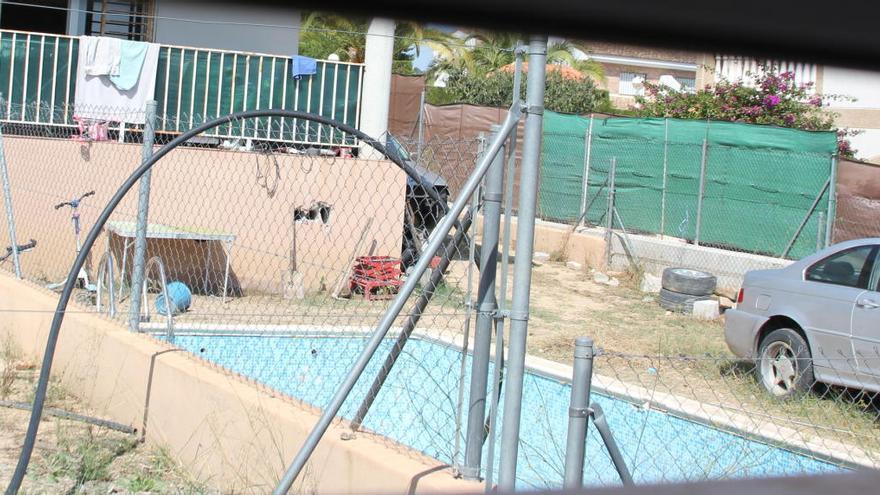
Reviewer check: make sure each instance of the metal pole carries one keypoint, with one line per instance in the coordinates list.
(140, 239)
(396, 306)
(10, 217)
(588, 145)
(525, 236)
(832, 204)
(497, 372)
(701, 192)
(820, 231)
(803, 223)
(604, 430)
(665, 172)
(412, 320)
(486, 308)
(609, 215)
(578, 413)
(420, 145)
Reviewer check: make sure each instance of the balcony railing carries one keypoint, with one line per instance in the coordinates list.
(38, 82)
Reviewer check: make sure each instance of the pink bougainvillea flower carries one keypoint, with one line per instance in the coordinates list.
(771, 101)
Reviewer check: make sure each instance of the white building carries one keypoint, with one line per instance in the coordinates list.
(861, 112)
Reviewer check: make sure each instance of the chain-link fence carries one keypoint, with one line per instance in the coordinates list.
(686, 193)
(271, 259)
(697, 418)
(274, 261)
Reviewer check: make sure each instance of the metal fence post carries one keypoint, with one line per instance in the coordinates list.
(10, 217)
(578, 413)
(492, 423)
(140, 240)
(701, 192)
(665, 174)
(525, 228)
(420, 145)
(609, 215)
(486, 307)
(588, 145)
(820, 231)
(832, 203)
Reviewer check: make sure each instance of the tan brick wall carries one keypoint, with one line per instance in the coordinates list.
(209, 190)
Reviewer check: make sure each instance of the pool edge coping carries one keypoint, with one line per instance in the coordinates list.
(731, 421)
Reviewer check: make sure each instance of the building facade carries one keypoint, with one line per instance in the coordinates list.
(272, 29)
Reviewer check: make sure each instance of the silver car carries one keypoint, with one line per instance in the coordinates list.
(817, 319)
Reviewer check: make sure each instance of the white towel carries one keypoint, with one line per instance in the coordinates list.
(102, 55)
(96, 97)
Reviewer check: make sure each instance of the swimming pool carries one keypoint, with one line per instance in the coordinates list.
(417, 407)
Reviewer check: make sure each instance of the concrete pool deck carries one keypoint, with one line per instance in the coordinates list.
(225, 429)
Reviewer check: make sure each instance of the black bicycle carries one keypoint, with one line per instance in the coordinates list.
(21, 248)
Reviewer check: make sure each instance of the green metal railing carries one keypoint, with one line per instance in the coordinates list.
(193, 85)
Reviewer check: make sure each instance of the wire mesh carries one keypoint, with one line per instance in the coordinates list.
(698, 418)
(279, 259)
(686, 204)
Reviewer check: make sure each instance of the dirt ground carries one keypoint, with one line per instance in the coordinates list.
(73, 457)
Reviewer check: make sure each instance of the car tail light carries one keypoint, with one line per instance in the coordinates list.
(741, 296)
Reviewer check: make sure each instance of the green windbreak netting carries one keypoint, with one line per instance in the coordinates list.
(759, 182)
(38, 84)
(194, 85)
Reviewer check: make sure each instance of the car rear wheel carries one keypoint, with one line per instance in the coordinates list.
(785, 367)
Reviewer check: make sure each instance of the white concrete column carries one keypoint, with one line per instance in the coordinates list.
(376, 94)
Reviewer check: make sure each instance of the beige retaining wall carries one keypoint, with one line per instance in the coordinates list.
(226, 431)
(206, 189)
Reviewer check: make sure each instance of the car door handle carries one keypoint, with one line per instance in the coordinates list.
(867, 304)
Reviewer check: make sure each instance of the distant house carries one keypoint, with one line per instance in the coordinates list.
(626, 65)
(862, 115)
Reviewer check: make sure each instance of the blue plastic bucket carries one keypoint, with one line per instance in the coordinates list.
(180, 296)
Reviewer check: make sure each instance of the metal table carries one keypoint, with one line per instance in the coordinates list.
(127, 231)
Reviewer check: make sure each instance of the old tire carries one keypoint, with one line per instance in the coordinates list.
(687, 281)
(785, 367)
(680, 303)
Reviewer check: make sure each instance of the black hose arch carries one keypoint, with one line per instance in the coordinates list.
(79, 262)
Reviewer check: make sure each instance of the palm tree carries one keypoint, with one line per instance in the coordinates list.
(563, 53)
(324, 34)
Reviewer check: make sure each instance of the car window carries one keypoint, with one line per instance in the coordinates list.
(850, 268)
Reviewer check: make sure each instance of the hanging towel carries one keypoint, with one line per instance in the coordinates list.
(101, 55)
(303, 66)
(96, 97)
(132, 54)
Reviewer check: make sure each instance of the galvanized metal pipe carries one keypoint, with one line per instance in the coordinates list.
(7, 201)
(832, 204)
(140, 239)
(525, 236)
(701, 192)
(608, 439)
(800, 228)
(665, 174)
(578, 413)
(411, 322)
(609, 214)
(505, 265)
(396, 306)
(585, 185)
(486, 308)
